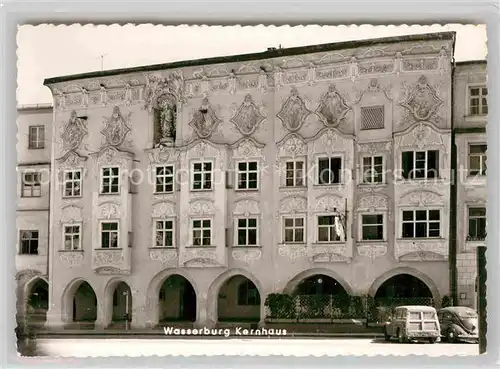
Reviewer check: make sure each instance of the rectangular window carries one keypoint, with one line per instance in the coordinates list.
(477, 224)
(294, 176)
(293, 230)
(36, 137)
(248, 175)
(373, 168)
(372, 118)
(73, 183)
(326, 229)
(247, 232)
(109, 235)
(31, 184)
(329, 170)
(29, 242)
(372, 227)
(421, 224)
(420, 164)
(164, 182)
(478, 100)
(110, 180)
(72, 237)
(477, 160)
(164, 232)
(202, 176)
(202, 232)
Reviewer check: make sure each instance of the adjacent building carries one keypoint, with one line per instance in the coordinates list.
(191, 191)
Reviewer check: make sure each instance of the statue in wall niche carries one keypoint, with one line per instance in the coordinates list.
(165, 119)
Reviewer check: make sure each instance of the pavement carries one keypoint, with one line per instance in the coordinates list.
(244, 345)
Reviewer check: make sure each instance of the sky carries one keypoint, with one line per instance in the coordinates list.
(49, 51)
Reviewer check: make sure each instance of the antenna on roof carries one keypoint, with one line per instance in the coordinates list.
(102, 60)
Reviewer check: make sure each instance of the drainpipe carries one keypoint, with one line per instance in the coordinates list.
(453, 198)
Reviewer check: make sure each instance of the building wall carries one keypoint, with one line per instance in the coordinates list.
(471, 190)
(391, 75)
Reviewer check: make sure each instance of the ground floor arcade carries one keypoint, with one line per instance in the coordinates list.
(235, 295)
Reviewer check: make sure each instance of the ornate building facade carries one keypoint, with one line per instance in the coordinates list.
(193, 190)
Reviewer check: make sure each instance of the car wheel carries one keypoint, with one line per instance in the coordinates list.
(451, 336)
(387, 337)
(401, 337)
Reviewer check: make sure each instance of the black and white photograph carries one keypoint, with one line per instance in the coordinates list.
(312, 190)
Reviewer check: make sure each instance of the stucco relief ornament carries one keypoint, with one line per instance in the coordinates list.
(204, 120)
(294, 111)
(293, 147)
(71, 258)
(246, 256)
(332, 108)
(116, 127)
(422, 101)
(247, 117)
(74, 132)
(157, 85)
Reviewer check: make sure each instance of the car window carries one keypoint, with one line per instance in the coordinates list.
(447, 316)
(415, 315)
(428, 315)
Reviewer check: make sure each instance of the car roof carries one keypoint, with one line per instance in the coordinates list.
(416, 308)
(456, 309)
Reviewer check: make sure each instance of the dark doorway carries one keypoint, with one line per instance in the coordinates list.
(177, 300)
(38, 302)
(320, 284)
(238, 301)
(84, 304)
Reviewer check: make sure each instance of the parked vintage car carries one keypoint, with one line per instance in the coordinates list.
(413, 323)
(459, 323)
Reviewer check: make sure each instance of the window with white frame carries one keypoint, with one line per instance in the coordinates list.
(202, 232)
(295, 173)
(72, 237)
(164, 233)
(420, 164)
(478, 100)
(293, 230)
(477, 224)
(373, 169)
(29, 240)
(202, 176)
(110, 180)
(372, 227)
(36, 137)
(329, 170)
(73, 183)
(421, 223)
(164, 181)
(248, 175)
(327, 232)
(477, 159)
(31, 184)
(246, 232)
(109, 235)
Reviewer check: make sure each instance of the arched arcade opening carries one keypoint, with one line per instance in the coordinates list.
(238, 300)
(176, 300)
(37, 302)
(404, 289)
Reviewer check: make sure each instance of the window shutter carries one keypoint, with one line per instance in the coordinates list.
(372, 118)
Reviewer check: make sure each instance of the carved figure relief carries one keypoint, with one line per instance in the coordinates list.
(332, 108)
(116, 127)
(74, 131)
(204, 120)
(423, 101)
(165, 118)
(247, 117)
(294, 111)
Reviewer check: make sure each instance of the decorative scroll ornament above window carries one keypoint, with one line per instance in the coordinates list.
(294, 146)
(109, 210)
(116, 127)
(163, 210)
(73, 132)
(294, 111)
(373, 87)
(202, 207)
(157, 85)
(422, 135)
(71, 214)
(372, 202)
(329, 142)
(71, 160)
(293, 204)
(423, 101)
(332, 108)
(247, 149)
(165, 119)
(327, 203)
(248, 116)
(421, 198)
(204, 121)
(109, 155)
(246, 207)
